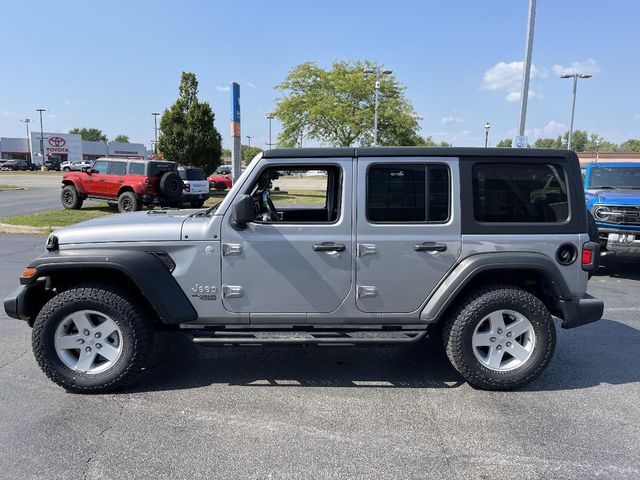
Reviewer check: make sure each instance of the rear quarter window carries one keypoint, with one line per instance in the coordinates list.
(519, 193)
(136, 168)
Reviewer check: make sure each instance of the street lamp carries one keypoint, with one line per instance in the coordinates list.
(270, 117)
(487, 127)
(575, 77)
(378, 73)
(26, 121)
(40, 110)
(249, 137)
(155, 131)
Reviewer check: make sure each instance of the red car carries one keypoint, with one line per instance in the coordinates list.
(220, 182)
(127, 184)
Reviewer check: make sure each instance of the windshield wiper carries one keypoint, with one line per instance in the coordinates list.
(204, 213)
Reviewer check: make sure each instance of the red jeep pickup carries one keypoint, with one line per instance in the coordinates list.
(126, 184)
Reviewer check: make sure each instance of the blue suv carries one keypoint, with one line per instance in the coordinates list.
(612, 193)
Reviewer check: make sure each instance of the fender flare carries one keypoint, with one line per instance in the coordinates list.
(447, 291)
(79, 186)
(145, 270)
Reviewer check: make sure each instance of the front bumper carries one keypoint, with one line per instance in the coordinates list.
(580, 311)
(15, 303)
(620, 241)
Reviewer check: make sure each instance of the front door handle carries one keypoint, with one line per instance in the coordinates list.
(102, 179)
(430, 247)
(329, 247)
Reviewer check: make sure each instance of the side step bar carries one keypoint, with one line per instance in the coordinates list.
(312, 338)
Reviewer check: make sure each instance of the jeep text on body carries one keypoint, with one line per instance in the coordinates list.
(478, 246)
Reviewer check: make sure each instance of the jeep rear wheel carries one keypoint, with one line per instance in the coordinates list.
(499, 337)
(128, 202)
(171, 185)
(70, 198)
(92, 339)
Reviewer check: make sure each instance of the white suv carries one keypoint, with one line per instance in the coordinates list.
(196, 185)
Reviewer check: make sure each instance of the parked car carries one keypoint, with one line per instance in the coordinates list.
(220, 182)
(16, 165)
(408, 242)
(52, 165)
(196, 186)
(612, 193)
(126, 184)
(76, 165)
(223, 170)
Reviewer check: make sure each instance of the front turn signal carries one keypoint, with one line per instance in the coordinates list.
(29, 272)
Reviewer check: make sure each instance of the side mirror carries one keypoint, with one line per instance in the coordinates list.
(88, 170)
(242, 212)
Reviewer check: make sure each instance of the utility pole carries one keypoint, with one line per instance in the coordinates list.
(487, 127)
(575, 77)
(378, 73)
(26, 121)
(249, 137)
(40, 110)
(270, 117)
(527, 67)
(155, 130)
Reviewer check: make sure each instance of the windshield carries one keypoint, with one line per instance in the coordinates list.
(615, 177)
(191, 174)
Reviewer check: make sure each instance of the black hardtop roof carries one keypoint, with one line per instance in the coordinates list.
(418, 152)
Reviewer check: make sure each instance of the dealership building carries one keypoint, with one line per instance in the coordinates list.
(66, 146)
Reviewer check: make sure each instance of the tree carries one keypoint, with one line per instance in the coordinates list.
(121, 139)
(596, 142)
(336, 107)
(504, 143)
(187, 132)
(248, 153)
(578, 140)
(631, 145)
(430, 142)
(90, 134)
(548, 143)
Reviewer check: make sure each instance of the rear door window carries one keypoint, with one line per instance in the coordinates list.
(118, 168)
(519, 193)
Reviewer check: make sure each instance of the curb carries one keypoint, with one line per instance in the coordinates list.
(24, 229)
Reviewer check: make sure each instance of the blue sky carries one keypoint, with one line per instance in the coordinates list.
(110, 64)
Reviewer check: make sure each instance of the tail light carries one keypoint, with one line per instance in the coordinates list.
(589, 258)
(187, 187)
(148, 183)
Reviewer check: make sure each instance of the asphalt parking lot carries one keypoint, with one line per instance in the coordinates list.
(41, 192)
(393, 412)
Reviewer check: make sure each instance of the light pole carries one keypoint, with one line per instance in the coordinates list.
(527, 67)
(249, 137)
(487, 127)
(575, 77)
(40, 110)
(155, 131)
(270, 117)
(378, 73)
(26, 121)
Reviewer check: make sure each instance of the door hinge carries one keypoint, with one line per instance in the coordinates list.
(232, 291)
(231, 249)
(365, 291)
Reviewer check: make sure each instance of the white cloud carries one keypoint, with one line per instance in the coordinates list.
(588, 66)
(221, 88)
(551, 129)
(451, 119)
(249, 84)
(508, 77)
(6, 113)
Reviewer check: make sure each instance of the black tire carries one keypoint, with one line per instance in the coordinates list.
(137, 337)
(66, 169)
(171, 186)
(70, 198)
(196, 204)
(471, 310)
(128, 202)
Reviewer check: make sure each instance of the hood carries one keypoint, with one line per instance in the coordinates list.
(126, 227)
(617, 197)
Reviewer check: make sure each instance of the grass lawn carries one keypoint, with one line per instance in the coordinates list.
(59, 218)
(9, 187)
(299, 196)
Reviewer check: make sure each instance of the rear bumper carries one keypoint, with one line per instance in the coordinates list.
(15, 303)
(580, 311)
(186, 196)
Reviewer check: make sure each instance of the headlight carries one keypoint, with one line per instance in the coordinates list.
(604, 213)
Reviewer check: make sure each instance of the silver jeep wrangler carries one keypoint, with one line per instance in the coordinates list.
(330, 246)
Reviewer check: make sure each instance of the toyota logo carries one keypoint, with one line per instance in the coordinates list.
(57, 141)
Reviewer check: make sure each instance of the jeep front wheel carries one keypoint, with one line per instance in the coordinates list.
(499, 337)
(128, 202)
(91, 339)
(70, 198)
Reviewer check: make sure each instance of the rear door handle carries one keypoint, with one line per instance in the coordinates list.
(329, 247)
(430, 247)
(102, 179)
